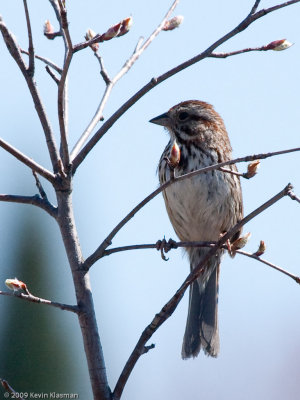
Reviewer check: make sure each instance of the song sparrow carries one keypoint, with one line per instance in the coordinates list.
(200, 209)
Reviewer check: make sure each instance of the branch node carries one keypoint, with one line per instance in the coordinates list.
(147, 348)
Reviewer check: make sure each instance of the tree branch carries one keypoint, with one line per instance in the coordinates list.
(35, 200)
(30, 69)
(283, 271)
(175, 245)
(139, 49)
(172, 304)
(293, 196)
(44, 60)
(34, 299)
(156, 81)
(62, 97)
(99, 252)
(27, 161)
(15, 52)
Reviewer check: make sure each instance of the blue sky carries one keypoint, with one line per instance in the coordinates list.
(257, 94)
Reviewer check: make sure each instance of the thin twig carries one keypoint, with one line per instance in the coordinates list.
(98, 253)
(229, 171)
(62, 96)
(35, 200)
(103, 71)
(139, 49)
(30, 69)
(283, 271)
(52, 74)
(171, 305)
(156, 81)
(44, 60)
(34, 299)
(27, 161)
(15, 52)
(39, 186)
(255, 7)
(237, 52)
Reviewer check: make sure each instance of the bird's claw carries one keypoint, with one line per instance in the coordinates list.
(165, 246)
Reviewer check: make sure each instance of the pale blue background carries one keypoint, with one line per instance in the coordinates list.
(257, 94)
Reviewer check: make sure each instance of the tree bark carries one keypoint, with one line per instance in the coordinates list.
(81, 278)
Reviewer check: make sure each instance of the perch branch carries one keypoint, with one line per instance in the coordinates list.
(107, 242)
(200, 244)
(171, 305)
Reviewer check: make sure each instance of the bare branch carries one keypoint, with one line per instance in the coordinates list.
(283, 271)
(293, 196)
(56, 9)
(62, 97)
(30, 42)
(175, 245)
(52, 74)
(107, 242)
(39, 186)
(15, 52)
(103, 71)
(10, 390)
(34, 299)
(139, 49)
(44, 60)
(27, 161)
(171, 305)
(35, 200)
(237, 52)
(255, 7)
(156, 81)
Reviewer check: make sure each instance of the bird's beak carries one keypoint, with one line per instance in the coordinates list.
(162, 119)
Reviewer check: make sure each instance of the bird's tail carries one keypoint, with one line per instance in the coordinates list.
(202, 321)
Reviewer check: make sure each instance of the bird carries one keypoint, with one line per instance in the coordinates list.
(201, 208)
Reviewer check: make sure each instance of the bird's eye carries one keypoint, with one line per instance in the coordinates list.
(182, 116)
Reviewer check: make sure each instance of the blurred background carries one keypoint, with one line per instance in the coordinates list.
(257, 94)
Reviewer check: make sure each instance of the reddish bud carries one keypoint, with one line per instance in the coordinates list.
(173, 23)
(278, 45)
(15, 284)
(252, 168)
(174, 158)
(112, 32)
(262, 248)
(118, 29)
(239, 243)
(125, 26)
